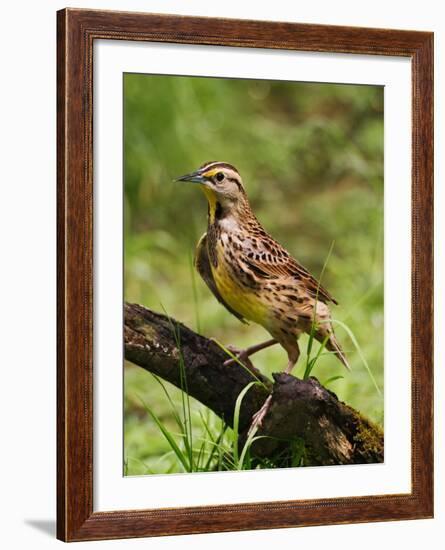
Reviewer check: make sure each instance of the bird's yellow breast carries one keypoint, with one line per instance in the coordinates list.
(236, 294)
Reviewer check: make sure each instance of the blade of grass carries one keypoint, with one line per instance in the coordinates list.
(163, 458)
(236, 414)
(332, 379)
(220, 449)
(188, 437)
(311, 364)
(172, 405)
(214, 442)
(201, 452)
(235, 358)
(168, 436)
(362, 300)
(298, 449)
(314, 324)
(359, 351)
(249, 441)
(185, 399)
(195, 294)
(147, 468)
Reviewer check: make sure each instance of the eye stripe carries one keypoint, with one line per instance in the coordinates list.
(235, 181)
(217, 164)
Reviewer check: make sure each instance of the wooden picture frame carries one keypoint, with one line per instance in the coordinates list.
(76, 32)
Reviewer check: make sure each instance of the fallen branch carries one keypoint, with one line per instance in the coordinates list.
(303, 414)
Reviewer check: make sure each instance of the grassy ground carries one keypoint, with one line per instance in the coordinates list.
(311, 157)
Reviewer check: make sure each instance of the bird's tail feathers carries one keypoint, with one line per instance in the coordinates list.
(334, 346)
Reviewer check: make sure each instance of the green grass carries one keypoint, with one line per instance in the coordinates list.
(311, 157)
(211, 445)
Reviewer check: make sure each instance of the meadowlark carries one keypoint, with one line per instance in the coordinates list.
(253, 276)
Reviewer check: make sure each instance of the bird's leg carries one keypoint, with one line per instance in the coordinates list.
(258, 417)
(244, 354)
(293, 356)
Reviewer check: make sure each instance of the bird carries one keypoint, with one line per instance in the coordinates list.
(253, 276)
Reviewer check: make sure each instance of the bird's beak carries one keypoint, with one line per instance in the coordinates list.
(194, 177)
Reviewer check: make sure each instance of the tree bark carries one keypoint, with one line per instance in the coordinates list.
(305, 419)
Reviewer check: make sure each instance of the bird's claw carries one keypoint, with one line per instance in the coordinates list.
(240, 357)
(258, 417)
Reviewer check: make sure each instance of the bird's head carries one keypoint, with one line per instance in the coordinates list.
(222, 185)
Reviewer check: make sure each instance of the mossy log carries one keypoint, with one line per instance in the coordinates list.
(303, 414)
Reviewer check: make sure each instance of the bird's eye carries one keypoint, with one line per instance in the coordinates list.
(219, 176)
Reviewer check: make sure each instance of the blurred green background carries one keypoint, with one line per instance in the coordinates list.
(311, 158)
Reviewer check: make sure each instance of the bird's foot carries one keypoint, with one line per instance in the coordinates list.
(240, 356)
(258, 417)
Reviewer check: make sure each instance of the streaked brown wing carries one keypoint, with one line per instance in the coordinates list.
(203, 267)
(273, 262)
(311, 283)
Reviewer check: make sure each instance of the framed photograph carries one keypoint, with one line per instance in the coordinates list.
(245, 227)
